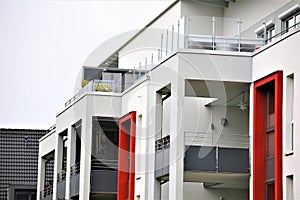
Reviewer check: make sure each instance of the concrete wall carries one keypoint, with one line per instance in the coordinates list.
(250, 12)
(195, 191)
(215, 67)
(283, 56)
(149, 41)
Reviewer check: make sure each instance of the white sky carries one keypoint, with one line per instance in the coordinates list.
(43, 45)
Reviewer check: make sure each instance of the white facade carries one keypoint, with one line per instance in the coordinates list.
(192, 78)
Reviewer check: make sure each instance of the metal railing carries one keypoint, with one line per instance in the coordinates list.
(287, 30)
(75, 169)
(162, 143)
(216, 139)
(115, 86)
(47, 192)
(102, 164)
(61, 176)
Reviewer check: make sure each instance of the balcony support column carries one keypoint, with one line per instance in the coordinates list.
(70, 158)
(85, 158)
(57, 162)
(176, 162)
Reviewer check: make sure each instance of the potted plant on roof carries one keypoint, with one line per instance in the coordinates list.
(102, 87)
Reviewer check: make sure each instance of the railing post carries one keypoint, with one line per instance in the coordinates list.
(178, 34)
(265, 31)
(213, 20)
(145, 64)
(161, 44)
(152, 61)
(140, 68)
(239, 34)
(217, 159)
(186, 31)
(167, 38)
(172, 38)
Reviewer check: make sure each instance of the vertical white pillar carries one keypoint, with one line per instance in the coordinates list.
(57, 162)
(71, 149)
(85, 158)
(41, 176)
(176, 162)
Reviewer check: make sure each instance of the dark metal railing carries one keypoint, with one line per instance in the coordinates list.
(75, 169)
(61, 176)
(296, 27)
(162, 143)
(102, 164)
(48, 191)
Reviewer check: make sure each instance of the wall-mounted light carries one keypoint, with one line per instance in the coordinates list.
(243, 105)
(223, 121)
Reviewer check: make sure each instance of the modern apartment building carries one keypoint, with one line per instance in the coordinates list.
(197, 105)
(19, 149)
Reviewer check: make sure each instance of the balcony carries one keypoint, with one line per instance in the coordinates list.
(74, 180)
(222, 159)
(104, 177)
(162, 151)
(61, 185)
(105, 79)
(47, 193)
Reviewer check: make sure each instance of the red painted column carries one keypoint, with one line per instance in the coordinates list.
(278, 135)
(259, 146)
(126, 169)
(132, 155)
(259, 137)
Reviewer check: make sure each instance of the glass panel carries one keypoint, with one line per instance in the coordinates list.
(270, 144)
(290, 22)
(297, 20)
(270, 109)
(270, 191)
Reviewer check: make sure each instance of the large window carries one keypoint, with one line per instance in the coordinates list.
(268, 34)
(291, 22)
(289, 113)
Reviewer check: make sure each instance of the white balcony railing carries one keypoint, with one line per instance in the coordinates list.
(216, 139)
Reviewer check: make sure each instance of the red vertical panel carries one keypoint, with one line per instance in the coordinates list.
(123, 164)
(132, 155)
(259, 146)
(278, 136)
(259, 141)
(126, 169)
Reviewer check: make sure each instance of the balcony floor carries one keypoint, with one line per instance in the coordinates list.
(222, 180)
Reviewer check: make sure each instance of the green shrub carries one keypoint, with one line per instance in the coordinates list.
(84, 83)
(102, 87)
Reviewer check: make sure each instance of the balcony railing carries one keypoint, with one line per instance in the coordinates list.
(104, 175)
(74, 181)
(47, 193)
(216, 139)
(217, 153)
(120, 80)
(102, 164)
(61, 184)
(162, 151)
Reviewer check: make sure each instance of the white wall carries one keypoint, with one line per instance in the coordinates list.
(283, 56)
(149, 41)
(196, 191)
(215, 67)
(249, 12)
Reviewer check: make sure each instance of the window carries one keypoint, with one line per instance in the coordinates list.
(270, 191)
(266, 31)
(291, 22)
(289, 113)
(290, 187)
(270, 33)
(290, 18)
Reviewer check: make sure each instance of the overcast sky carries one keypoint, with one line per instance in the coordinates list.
(43, 45)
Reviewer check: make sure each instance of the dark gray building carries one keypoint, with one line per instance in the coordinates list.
(19, 163)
